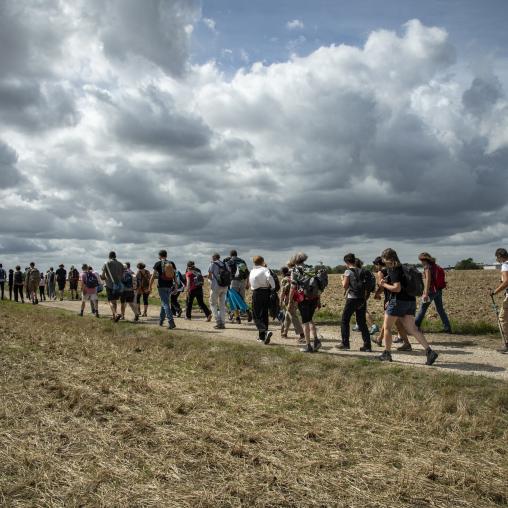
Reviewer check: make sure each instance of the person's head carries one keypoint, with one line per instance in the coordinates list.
(18, 268)
(285, 271)
(191, 264)
(163, 254)
(378, 263)
(42, 275)
(112, 255)
(358, 263)
(298, 259)
(1, 266)
(127, 265)
(84, 267)
(90, 268)
(390, 258)
(215, 256)
(258, 261)
(32, 264)
(426, 259)
(290, 264)
(50, 268)
(233, 253)
(349, 259)
(60, 266)
(501, 255)
(72, 267)
(11, 270)
(140, 266)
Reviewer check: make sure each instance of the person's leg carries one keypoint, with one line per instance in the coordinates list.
(360, 313)
(402, 333)
(438, 302)
(222, 304)
(198, 292)
(135, 309)
(214, 304)
(123, 304)
(10, 291)
(286, 324)
(257, 312)
(368, 317)
(388, 323)
(296, 320)
(145, 304)
(164, 294)
(503, 318)
(188, 304)
(16, 293)
(2, 284)
(349, 308)
(421, 312)
(83, 304)
(409, 324)
(265, 306)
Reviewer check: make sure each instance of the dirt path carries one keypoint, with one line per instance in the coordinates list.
(453, 355)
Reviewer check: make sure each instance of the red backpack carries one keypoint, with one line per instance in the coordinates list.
(439, 277)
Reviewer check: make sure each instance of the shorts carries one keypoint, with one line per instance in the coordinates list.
(400, 308)
(61, 285)
(73, 285)
(89, 297)
(307, 309)
(127, 297)
(143, 296)
(112, 295)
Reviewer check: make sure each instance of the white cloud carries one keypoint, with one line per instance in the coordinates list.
(210, 23)
(295, 24)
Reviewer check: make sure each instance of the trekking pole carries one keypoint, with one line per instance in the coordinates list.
(501, 331)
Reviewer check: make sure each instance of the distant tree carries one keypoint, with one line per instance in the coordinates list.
(339, 269)
(467, 264)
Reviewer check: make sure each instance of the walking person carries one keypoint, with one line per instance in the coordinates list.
(353, 282)
(73, 282)
(261, 282)
(143, 287)
(401, 305)
(129, 288)
(112, 272)
(220, 279)
(89, 284)
(164, 272)
(50, 283)
(434, 283)
(178, 289)
(61, 279)
(502, 257)
(194, 286)
(11, 282)
(33, 280)
(306, 299)
(42, 287)
(19, 284)
(289, 307)
(239, 279)
(3, 278)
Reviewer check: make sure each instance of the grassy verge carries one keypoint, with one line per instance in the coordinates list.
(95, 413)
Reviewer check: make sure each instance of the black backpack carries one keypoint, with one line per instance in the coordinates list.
(362, 283)
(224, 277)
(127, 280)
(413, 281)
(276, 280)
(18, 278)
(91, 280)
(198, 277)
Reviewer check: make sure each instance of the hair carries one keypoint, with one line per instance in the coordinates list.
(350, 258)
(11, 270)
(501, 253)
(233, 253)
(51, 268)
(32, 264)
(215, 256)
(298, 259)
(190, 264)
(163, 253)
(378, 261)
(258, 260)
(84, 267)
(425, 256)
(285, 270)
(127, 264)
(358, 263)
(112, 255)
(90, 268)
(18, 268)
(390, 257)
(140, 265)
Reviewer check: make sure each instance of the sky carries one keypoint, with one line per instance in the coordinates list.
(269, 127)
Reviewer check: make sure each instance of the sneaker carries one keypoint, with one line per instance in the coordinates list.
(97, 315)
(366, 349)
(117, 318)
(161, 322)
(249, 316)
(179, 313)
(268, 337)
(397, 340)
(238, 321)
(317, 345)
(171, 325)
(307, 349)
(144, 314)
(405, 347)
(122, 318)
(385, 356)
(208, 318)
(431, 357)
(356, 328)
(342, 347)
(219, 326)
(374, 329)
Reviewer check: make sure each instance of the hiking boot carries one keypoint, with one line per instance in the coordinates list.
(356, 328)
(366, 349)
(342, 347)
(385, 356)
(136, 318)
(283, 335)
(268, 338)
(117, 318)
(219, 326)
(374, 329)
(179, 313)
(431, 357)
(317, 345)
(405, 347)
(171, 325)
(307, 349)
(377, 342)
(249, 316)
(238, 321)
(80, 314)
(208, 318)
(144, 314)
(161, 322)
(97, 315)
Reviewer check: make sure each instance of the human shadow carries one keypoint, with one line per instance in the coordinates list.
(468, 367)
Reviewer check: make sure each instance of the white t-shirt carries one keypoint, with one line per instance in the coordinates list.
(260, 277)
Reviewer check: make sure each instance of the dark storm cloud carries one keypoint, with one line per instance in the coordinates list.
(10, 176)
(482, 95)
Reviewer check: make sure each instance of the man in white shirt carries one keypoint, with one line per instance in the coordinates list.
(261, 282)
(502, 257)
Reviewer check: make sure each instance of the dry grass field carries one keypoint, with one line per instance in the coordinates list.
(97, 414)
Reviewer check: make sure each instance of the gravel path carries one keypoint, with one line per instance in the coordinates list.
(470, 360)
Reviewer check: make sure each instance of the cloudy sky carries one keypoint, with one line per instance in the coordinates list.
(328, 126)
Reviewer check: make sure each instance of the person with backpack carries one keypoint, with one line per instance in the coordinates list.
(239, 278)
(307, 284)
(262, 283)
(89, 284)
(112, 273)
(220, 279)
(289, 306)
(73, 282)
(178, 289)
(33, 278)
(50, 284)
(129, 288)
(502, 257)
(61, 279)
(19, 284)
(194, 286)
(164, 272)
(42, 288)
(11, 282)
(405, 285)
(434, 280)
(3, 277)
(358, 283)
(143, 287)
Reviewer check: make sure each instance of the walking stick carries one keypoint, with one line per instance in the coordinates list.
(503, 336)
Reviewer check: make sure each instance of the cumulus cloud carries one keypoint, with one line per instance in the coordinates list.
(131, 145)
(295, 24)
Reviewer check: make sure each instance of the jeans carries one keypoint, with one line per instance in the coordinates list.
(357, 306)
(260, 307)
(51, 290)
(165, 295)
(196, 293)
(218, 303)
(437, 298)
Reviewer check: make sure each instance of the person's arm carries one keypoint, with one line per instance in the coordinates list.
(427, 280)
(503, 285)
(393, 288)
(152, 279)
(345, 282)
(379, 289)
(271, 281)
